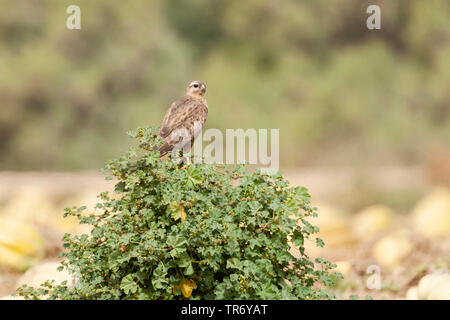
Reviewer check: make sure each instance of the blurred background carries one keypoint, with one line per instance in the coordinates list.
(364, 117)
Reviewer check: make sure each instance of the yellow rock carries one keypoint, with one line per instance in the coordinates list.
(20, 244)
(390, 251)
(431, 287)
(71, 224)
(34, 206)
(344, 267)
(411, 294)
(434, 287)
(373, 219)
(29, 205)
(431, 216)
(40, 273)
(441, 292)
(334, 229)
(334, 226)
(330, 219)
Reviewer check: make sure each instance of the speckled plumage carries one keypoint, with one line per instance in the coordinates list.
(184, 119)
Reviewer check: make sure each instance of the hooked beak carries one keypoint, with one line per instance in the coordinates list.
(203, 87)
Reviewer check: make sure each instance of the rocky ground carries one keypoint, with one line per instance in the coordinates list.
(387, 229)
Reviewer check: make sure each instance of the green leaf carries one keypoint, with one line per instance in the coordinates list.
(128, 285)
(159, 277)
(194, 175)
(298, 238)
(177, 252)
(234, 263)
(189, 270)
(176, 241)
(177, 212)
(320, 243)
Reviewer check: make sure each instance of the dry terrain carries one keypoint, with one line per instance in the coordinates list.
(369, 218)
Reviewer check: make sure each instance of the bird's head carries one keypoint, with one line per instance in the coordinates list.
(196, 88)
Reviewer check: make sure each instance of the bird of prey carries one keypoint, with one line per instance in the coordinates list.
(184, 120)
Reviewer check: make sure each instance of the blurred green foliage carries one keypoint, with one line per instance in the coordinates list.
(341, 94)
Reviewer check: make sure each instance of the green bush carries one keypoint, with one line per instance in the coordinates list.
(198, 231)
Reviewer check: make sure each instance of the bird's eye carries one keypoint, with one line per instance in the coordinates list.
(195, 85)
